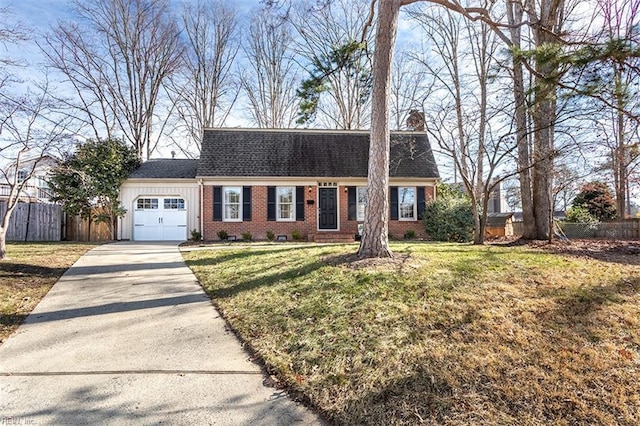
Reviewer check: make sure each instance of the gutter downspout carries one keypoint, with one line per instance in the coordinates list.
(201, 207)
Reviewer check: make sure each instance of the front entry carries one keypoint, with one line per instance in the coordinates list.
(328, 208)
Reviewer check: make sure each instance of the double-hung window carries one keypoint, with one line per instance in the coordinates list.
(285, 203)
(407, 203)
(232, 203)
(361, 202)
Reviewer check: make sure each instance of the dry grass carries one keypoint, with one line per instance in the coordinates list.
(443, 334)
(27, 275)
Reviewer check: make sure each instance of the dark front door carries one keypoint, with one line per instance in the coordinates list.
(328, 210)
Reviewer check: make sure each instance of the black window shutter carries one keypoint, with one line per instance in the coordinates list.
(271, 203)
(394, 202)
(246, 203)
(351, 196)
(299, 202)
(217, 203)
(420, 199)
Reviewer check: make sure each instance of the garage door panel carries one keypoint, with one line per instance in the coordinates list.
(160, 219)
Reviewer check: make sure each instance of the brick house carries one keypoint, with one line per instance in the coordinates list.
(310, 183)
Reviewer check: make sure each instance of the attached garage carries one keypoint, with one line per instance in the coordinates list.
(162, 199)
(160, 219)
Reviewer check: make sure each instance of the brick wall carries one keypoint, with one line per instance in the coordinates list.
(259, 225)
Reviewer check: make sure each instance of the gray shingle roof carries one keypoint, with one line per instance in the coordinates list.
(166, 169)
(309, 153)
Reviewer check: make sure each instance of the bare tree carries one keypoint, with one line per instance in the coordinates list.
(204, 91)
(470, 126)
(32, 130)
(617, 127)
(344, 98)
(271, 77)
(15, 33)
(116, 55)
(409, 89)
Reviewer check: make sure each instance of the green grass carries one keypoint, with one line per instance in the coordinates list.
(27, 274)
(444, 333)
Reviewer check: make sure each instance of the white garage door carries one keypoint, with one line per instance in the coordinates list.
(160, 219)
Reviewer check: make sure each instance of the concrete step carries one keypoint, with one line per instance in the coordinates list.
(332, 237)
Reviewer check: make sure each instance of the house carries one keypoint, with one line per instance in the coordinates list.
(310, 183)
(35, 172)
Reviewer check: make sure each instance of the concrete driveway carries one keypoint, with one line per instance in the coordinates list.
(127, 336)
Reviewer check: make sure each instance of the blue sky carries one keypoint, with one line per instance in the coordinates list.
(37, 16)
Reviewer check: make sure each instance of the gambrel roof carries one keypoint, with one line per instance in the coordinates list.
(308, 153)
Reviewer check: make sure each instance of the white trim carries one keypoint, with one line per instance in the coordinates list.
(293, 204)
(224, 204)
(415, 205)
(358, 219)
(305, 181)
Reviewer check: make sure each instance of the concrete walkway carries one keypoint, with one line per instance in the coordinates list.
(127, 336)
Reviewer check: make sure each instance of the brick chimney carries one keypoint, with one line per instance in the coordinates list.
(415, 120)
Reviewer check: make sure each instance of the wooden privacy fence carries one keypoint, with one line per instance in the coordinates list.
(79, 229)
(34, 222)
(47, 222)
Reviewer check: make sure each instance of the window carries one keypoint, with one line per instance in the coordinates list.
(361, 202)
(22, 175)
(285, 203)
(232, 204)
(407, 203)
(174, 203)
(147, 204)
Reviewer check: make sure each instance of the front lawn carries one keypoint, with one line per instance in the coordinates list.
(444, 333)
(27, 274)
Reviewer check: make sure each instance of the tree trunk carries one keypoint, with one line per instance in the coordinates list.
(619, 159)
(3, 243)
(549, 19)
(514, 15)
(375, 239)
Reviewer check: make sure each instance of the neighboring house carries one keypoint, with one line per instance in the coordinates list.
(497, 200)
(36, 187)
(306, 182)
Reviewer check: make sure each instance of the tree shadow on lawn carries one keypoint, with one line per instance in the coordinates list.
(575, 310)
(11, 270)
(275, 278)
(11, 320)
(237, 253)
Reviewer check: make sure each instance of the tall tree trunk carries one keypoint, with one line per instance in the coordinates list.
(619, 158)
(514, 15)
(3, 243)
(543, 113)
(375, 239)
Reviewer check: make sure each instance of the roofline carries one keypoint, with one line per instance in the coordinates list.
(312, 178)
(324, 131)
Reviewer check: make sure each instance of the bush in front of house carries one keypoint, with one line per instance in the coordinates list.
(271, 236)
(450, 217)
(410, 234)
(223, 235)
(295, 235)
(195, 235)
(246, 236)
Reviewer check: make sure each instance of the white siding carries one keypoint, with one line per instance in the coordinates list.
(132, 189)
